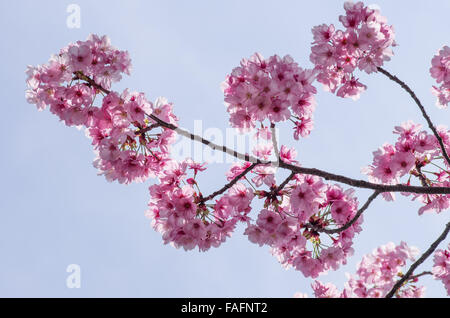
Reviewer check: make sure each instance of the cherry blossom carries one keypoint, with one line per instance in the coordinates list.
(417, 156)
(375, 275)
(308, 223)
(67, 86)
(292, 219)
(440, 70)
(441, 268)
(365, 43)
(274, 89)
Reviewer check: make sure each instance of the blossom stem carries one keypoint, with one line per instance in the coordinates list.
(229, 184)
(422, 109)
(285, 182)
(421, 274)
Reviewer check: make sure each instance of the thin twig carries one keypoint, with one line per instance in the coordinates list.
(422, 259)
(285, 182)
(422, 109)
(230, 184)
(348, 224)
(421, 274)
(423, 179)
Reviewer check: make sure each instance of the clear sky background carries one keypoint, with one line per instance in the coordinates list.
(55, 210)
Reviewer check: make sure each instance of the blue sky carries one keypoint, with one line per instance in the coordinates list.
(55, 210)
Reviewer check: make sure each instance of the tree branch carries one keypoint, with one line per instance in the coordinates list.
(285, 182)
(422, 109)
(419, 261)
(364, 184)
(230, 184)
(181, 131)
(421, 274)
(282, 164)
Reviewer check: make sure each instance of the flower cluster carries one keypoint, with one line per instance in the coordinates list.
(416, 154)
(184, 218)
(128, 145)
(376, 275)
(365, 43)
(274, 89)
(292, 220)
(95, 58)
(440, 70)
(441, 268)
(120, 128)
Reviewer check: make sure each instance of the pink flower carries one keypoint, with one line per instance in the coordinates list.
(403, 162)
(255, 235)
(264, 174)
(440, 70)
(303, 198)
(236, 169)
(196, 166)
(240, 196)
(288, 154)
(303, 128)
(341, 211)
(441, 268)
(80, 56)
(351, 88)
(279, 111)
(440, 65)
(332, 257)
(137, 107)
(323, 33)
(263, 151)
(268, 220)
(325, 291)
(263, 133)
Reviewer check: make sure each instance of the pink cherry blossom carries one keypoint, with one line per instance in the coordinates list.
(364, 43)
(441, 268)
(416, 155)
(376, 275)
(440, 70)
(268, 89)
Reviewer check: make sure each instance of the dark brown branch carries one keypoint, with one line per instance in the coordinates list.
(365, 184)
(146, 129)
(281, 164)
(421, 274)
(185, 133)
(230, 184)
(422, 259)
(285, 182)
(422, 109)
(423, 179)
